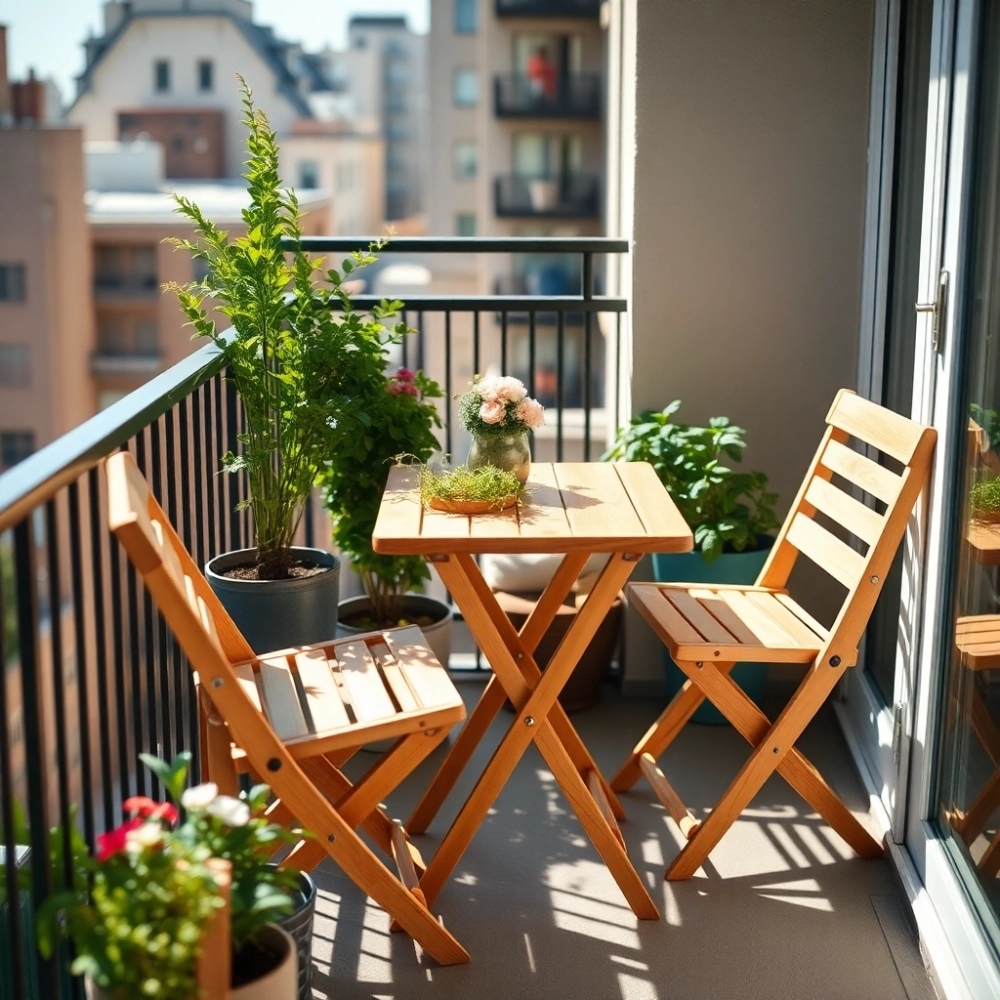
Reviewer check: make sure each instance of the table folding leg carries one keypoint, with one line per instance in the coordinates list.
(539, 716)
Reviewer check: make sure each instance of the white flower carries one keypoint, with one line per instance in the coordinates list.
(231, 811)
(531, 412)
(492, 411)
(505, 388)
(147, 835)
(199, 798)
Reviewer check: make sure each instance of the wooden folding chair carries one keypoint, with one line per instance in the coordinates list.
(708, 628)
(296, 715)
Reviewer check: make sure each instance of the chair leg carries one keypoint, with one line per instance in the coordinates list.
(660, 734)
(765, 759)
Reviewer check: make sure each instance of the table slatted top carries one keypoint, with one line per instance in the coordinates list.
(570, 506)
(984, 540)
(978, 641)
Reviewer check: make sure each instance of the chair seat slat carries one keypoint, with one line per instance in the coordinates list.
(281, 700)
(789, 622)
(789, 602)
(360, 676)
(430, 683)
(767, 630)
(322, 695)
(394, 676)
(698, 616)
(714, 602)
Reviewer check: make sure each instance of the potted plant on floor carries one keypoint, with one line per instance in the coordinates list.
(297, 364)
(402, 420)
(731, 513)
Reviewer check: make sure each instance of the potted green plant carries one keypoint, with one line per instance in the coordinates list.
(297, 356)
(731, 513)
(401, 421)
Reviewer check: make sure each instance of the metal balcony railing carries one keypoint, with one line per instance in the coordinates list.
(92, 675)
(548, 8)
(571, 196)
(517, 95)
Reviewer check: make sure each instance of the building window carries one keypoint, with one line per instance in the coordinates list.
(308, 174)
(465, 224)
(15, 446)
(12, 285)
(161, 76)
(129, 270)
(465, 88)
(466, 159)
(15, 365)
(466, 17)
(206, 75)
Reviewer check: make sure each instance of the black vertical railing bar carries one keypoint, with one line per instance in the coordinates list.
(196, 468)
(560, 377)
(33, 716)
(101, 646)
(475, 342)
(420, 340)
(16, 933)
(80, 657)
(616, 416)
(404, 347)
(447, 384)
(588, 293)
(503, 341)
(125, 756)
(221, 485)
(185, 508)
(211, 455)
(232, 446)
(142, 691)
(172, 663)
(151, 625)
(59, 686)
(531, 362)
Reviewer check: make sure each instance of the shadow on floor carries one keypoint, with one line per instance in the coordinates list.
(782, 910)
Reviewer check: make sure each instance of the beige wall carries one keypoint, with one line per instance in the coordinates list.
(43, 226)
(124, 78)
(749, 182)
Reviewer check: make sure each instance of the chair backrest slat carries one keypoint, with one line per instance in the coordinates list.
(860, 568)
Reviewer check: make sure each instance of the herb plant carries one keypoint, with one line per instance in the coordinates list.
(984, 499)
(487, 484)
(726, 509)
(401, 419)
(297, 363)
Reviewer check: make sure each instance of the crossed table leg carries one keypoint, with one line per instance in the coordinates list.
(540, 718)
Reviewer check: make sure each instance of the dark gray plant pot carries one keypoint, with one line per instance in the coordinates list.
(299, 926)
(276, 614)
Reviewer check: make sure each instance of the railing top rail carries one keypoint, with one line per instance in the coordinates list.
(469, 244)
(40, 476)
(498, 303)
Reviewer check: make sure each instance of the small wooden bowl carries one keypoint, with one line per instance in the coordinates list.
(472, 506)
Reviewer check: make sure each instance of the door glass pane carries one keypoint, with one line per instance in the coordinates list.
(901, 293)
(968, 758)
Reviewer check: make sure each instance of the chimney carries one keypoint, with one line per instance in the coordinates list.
(5, 105)
(29, 99)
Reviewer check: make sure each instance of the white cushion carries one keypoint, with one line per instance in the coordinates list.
(532, 573)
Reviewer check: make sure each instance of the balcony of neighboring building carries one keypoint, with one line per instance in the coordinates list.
(125, 272)
(570, 196)
(548, 8)
(127, 345)
(573, 95)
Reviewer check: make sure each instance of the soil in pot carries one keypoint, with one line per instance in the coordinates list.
(298, 570)
(363, 621)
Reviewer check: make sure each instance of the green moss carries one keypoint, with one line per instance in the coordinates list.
(984, 497)
(486, 484)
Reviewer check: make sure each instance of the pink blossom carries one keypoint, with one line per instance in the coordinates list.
(146, 808)
(492, 411)
(505, 388)
(531, 412)
(394, 388)
(409, 390)
(405, 375)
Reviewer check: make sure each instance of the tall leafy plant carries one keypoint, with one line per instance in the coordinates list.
(298, 364)
(726, 508)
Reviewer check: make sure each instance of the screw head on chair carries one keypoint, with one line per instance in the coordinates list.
(529, 720)
(274, 764)
(217, 682)
(834, 661)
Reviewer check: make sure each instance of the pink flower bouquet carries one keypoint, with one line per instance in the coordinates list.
(499, 406)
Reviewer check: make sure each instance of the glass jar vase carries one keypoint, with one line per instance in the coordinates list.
(508, 452)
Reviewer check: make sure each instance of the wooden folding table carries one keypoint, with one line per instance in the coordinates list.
(571, 509)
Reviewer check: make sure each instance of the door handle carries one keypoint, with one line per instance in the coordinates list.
(938, 309)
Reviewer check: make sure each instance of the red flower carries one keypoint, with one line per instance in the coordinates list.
(109, 844)
(145, 807)
(405, 375)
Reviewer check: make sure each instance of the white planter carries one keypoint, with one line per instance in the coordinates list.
(281, 983)
(544, 194)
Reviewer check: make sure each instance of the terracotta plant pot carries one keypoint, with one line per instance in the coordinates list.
(282, 981)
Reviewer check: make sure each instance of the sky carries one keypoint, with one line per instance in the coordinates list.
(48, 34)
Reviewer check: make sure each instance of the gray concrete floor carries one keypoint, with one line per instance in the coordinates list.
(783, 909)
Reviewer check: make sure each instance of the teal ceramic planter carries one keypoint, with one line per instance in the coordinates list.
(731, 567)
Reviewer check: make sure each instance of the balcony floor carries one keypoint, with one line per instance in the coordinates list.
(782, 910)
